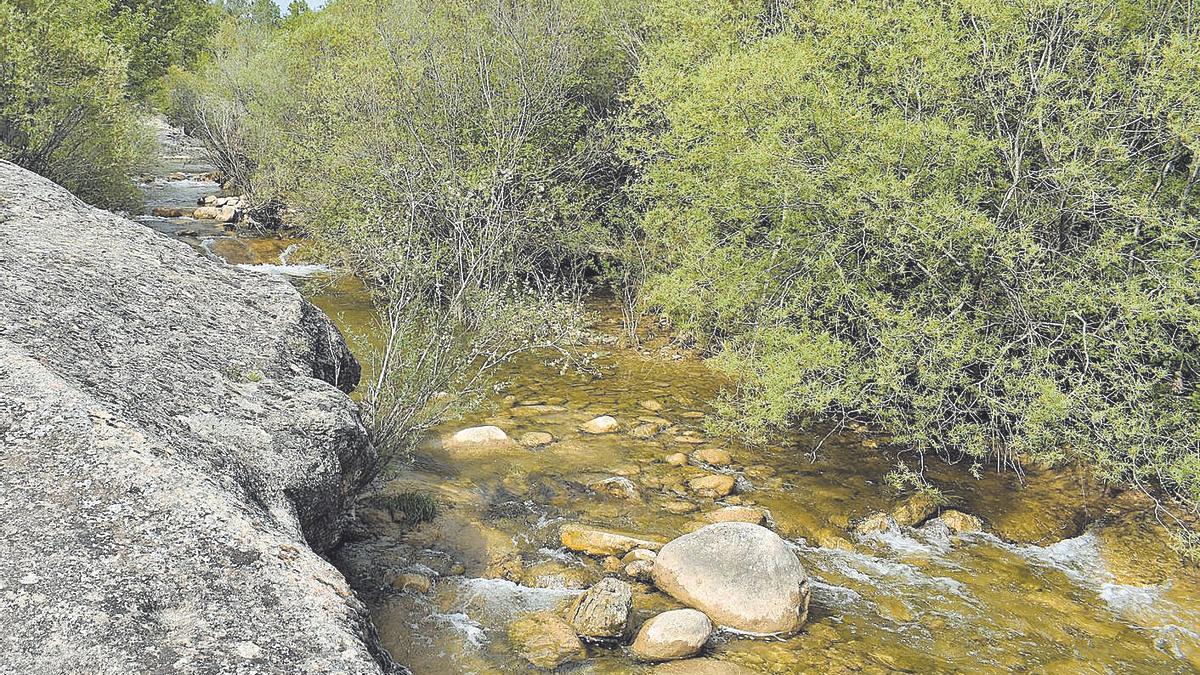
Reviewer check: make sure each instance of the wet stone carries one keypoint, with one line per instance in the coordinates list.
(914, 510)
(875, 523)
(600, 542)
(712, 457)
(618, 487)
(546, 641)
(535, 439)
(605, 424)
(677, 634)
(602, 612)
(959, 522)
(712, 485)
(679, 507)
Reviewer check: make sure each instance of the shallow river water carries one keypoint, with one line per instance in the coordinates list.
(1040, 590)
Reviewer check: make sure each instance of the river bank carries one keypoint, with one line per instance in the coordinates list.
(1064, 575)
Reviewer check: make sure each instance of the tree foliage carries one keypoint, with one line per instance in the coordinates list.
(971, 222)
(72, 75)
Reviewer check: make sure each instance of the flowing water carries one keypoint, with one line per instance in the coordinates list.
(1036, 592)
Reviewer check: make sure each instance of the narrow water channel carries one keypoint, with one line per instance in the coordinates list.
(1039, 590)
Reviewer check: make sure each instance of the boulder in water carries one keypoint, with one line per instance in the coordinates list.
(545, 640)
(875, 523)
(959, 522)
(602, 612)
(715, 485)
(915, 510)
(736, 514)
(713, 457)
(741, 575)
(604, 424)
(599, 542)
(677, 634)
(221, 214)
(475, 439)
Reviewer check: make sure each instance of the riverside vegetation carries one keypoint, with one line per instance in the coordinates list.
(972, 224)
(968, 227)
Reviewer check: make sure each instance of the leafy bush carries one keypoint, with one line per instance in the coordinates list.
(971, 222)
(411, 508)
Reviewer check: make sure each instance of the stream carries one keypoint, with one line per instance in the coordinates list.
(1066, 577)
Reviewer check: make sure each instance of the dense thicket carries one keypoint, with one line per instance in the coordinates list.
(971, 222)
(72, 75)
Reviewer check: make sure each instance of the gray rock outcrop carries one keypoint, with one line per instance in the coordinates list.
(175, 455)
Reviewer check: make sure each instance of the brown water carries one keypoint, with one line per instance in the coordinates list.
(1107, 599)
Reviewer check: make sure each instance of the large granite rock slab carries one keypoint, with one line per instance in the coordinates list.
(175, 455)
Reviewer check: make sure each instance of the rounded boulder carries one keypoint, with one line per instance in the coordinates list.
(677, 634)
(741, 575)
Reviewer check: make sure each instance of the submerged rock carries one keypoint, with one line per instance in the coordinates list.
(679, 507)
(677, 634)
(915, 510)
(603, 611)
(600, 543)
(713, 457)
(601, 425)
(962, 523)
(409, 581)
(742, 576)
(712, 485)
(876, 523)
(644, 430)
(676, 459)
(545, 640)
(176, 455)
(739, 514)
(535, 439)
(701, 667)
(536, 410)
(617, 486)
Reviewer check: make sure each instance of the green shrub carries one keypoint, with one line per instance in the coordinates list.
(410, 508)
(971, 222)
